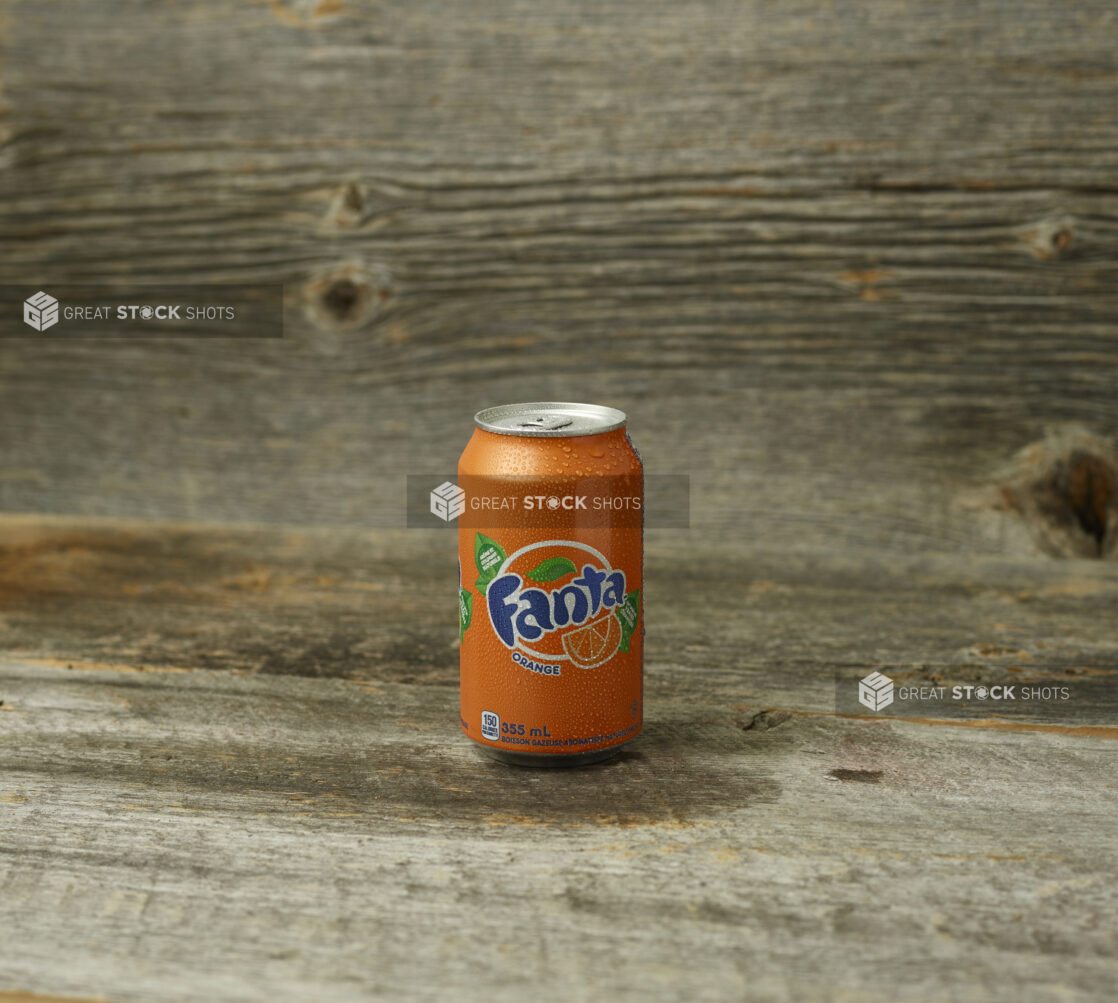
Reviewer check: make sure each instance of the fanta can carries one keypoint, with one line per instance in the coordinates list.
(550, 557)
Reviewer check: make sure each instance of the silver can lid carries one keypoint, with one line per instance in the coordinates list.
(549, 419)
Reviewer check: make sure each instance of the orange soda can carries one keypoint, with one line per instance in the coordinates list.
(550, 552)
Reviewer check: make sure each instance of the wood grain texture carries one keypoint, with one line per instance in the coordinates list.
(840, 265)
(852, 268)
(366, 605)
(20, 997)
(203, 835)
(230, 769)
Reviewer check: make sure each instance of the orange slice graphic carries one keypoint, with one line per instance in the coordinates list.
(593, 644)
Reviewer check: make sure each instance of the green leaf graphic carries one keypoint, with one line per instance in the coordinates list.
(628, 613)
(552, 569)
(489, 555)
(465, 611)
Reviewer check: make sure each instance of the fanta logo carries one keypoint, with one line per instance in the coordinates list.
(584, 617)
(529, 613)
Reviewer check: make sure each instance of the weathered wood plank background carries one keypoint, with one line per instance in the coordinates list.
(854, 268)
(840, 264)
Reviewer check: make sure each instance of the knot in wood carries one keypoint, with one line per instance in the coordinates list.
(348, 297)
(1050, 239)
(1065, 488)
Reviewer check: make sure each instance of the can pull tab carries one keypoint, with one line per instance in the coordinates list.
(548, 422)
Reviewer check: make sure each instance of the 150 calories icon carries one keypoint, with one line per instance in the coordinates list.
(490, 725)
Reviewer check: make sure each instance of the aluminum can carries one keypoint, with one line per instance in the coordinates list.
(550, 549)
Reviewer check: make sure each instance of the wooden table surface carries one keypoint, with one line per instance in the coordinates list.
(232, 770)
(853, 269)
